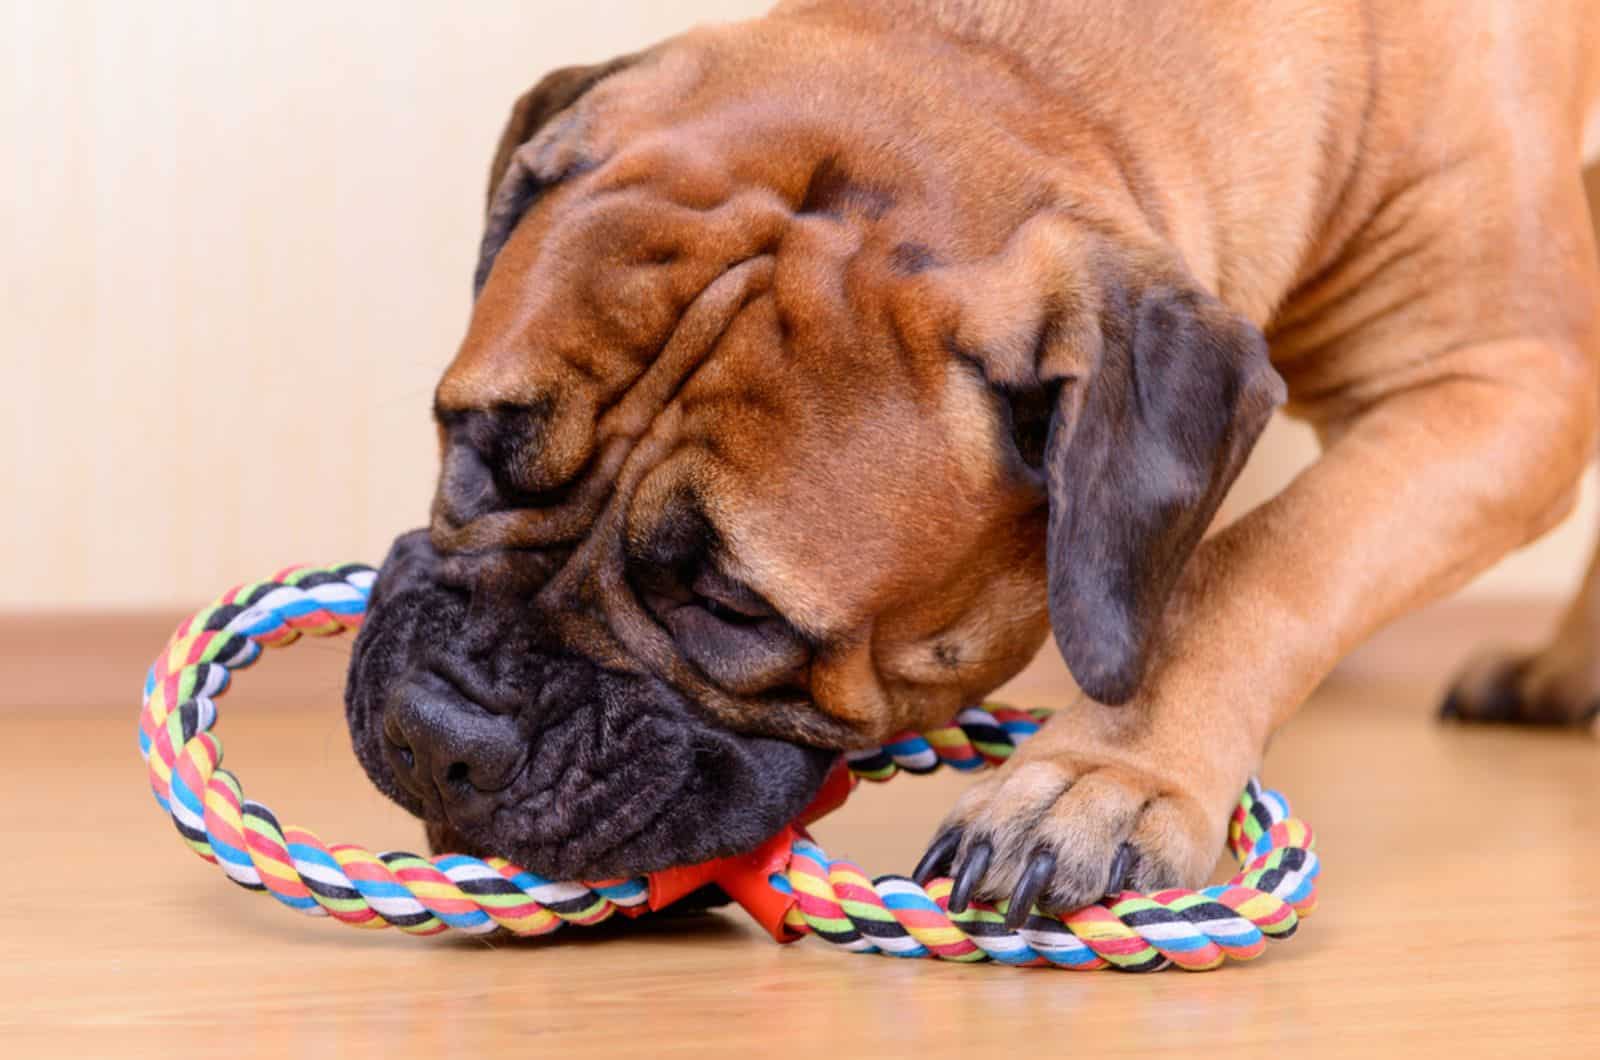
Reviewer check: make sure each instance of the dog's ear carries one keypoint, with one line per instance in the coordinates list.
(1137, 458)
(515, 179)
(1135, 395)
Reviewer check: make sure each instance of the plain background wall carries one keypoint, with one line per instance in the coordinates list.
(237, 246)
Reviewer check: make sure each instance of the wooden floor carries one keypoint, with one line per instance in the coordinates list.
(1460, 912)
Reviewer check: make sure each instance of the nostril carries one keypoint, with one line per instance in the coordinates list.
(402, 761)
(394, 735)
(458, 773)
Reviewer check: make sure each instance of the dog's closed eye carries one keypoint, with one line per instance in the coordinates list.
(728, 600)
(724, 628)
(744, 655)
(728, 632)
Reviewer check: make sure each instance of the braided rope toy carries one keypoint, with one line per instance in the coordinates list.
(789, 885)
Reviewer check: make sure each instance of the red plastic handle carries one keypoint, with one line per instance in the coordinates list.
(745, 876)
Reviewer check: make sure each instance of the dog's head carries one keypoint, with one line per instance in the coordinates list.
(802, 397)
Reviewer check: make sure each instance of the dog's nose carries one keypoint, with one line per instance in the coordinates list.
(448, 751)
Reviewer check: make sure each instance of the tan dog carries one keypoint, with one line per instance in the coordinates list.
(824, 363)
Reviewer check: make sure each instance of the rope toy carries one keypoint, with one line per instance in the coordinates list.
(790, 885)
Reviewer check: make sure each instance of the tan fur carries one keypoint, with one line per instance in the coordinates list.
(1390, 190)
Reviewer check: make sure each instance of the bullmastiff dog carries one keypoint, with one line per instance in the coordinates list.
(822, 365)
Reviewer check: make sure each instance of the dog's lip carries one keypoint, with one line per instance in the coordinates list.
(603, 855)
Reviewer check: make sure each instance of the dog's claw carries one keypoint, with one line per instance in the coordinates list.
(941, 852)
(1035, 878)
(970, 875)
(1121, 865)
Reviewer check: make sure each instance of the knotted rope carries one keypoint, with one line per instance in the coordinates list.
(832, 899)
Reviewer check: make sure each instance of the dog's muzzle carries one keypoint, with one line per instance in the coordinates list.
(465, 711)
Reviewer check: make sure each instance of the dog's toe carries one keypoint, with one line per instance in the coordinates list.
(1044, 838)
(1557, 686)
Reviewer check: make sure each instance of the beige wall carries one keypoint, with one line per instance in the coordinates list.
(237, 243)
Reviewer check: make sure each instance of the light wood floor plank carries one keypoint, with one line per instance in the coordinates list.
(1460, 915)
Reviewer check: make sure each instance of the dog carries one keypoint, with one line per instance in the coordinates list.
(822, 366)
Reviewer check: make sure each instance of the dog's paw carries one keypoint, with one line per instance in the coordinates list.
(1559, 685)
(1058, 837)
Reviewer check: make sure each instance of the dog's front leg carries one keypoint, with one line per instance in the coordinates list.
(1412, 496)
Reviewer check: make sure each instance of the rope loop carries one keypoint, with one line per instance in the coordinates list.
(832, 899)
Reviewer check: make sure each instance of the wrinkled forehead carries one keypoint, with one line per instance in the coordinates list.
(716, 148)
(614, 303)
(597, 273)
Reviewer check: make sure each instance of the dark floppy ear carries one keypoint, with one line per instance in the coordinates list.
(514, 180)
(1139, 454)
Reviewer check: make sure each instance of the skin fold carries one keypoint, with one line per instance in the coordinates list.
(822, 366)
